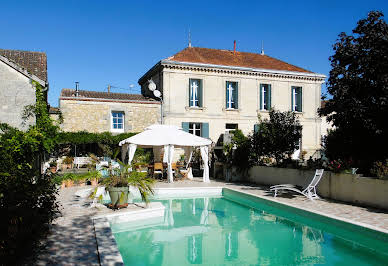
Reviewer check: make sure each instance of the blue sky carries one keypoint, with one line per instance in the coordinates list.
(115, 42)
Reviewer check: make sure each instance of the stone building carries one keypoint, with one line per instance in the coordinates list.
(17, 71)
(98, 112)
(210, 91)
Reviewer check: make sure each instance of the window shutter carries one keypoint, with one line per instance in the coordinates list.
(227, 95)
(205, 130)
(189, 92)
(185, 126)
(292, 98)
(256, 128)
(269, 97)
(300, 99)
(260, 96)
(200, 93)
(235, 95)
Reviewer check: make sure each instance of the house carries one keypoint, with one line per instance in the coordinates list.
(18, 70)
(210, 91)
(97, 112)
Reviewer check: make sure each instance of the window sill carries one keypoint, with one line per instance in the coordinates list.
(298, 113)
(117, 130)
(231, 110)
(263, 111)
(195, 108)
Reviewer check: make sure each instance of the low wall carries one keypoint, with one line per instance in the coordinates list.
(344, 187)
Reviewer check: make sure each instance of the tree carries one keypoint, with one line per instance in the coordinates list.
(358, 82)
(277, 137)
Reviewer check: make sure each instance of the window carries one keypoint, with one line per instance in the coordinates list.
(195, 92)
(195, 128)
(296, 99)
(118, 121)
(265, 97)
(231, 95)
(231, 127)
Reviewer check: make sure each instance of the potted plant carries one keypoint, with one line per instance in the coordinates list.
(118, 182)
(53, 167)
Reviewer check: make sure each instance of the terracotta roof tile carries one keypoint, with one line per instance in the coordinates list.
(228, 58)
(34, 62)
(104, 95)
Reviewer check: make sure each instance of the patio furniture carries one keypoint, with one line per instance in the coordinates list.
(310, 191)
(158, 169)
(82, 161)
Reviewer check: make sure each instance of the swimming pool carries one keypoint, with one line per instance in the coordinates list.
(238, 229)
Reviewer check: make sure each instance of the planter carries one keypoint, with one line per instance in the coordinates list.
(94, 182)
(63, 185)
(69, 183)
(118, 196)
(53, 169)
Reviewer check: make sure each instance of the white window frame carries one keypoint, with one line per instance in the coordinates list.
(194, 101)
(231, 101)
(194, 127)
(293, 90)
(263, 97)
(120, 130)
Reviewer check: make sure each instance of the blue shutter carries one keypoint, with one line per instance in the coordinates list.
(261, 92)
(200, 93)
(205, 130)
(190, 92)
(227, 95)
(256, 128)
(292, 98)
(235, 95)
(300, 99)
(269, 97)
(185, 126)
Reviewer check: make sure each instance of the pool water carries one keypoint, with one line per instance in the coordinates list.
(222, 231)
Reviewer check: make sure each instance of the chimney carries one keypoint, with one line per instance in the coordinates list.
(109, 88)
(234, 48)
(76, 89)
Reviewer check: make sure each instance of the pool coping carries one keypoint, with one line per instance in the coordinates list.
(109, 253)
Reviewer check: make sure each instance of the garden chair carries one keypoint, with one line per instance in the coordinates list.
(310, 191)
(158, 169)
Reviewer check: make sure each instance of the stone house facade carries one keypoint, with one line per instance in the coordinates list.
(18, 69)
(210, 91)
(98, 112)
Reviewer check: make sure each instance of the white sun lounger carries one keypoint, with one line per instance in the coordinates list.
(310, 191)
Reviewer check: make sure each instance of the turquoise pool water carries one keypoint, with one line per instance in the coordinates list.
(227, 231)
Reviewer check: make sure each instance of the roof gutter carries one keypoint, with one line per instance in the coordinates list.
(261, 70)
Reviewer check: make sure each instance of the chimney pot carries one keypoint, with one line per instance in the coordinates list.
(234, 48)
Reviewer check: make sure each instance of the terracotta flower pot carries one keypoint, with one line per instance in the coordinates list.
(69, 183)
(53, 169)
(94, 182)
(63, 185)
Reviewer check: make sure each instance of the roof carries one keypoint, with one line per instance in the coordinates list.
(229, 58)
(104, 96)
(34, 62)
(54, 110)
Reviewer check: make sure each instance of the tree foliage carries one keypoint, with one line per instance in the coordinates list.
(276, 137)
(27, 197)
(358, 82)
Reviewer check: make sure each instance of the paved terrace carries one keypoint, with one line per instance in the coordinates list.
(72, 239)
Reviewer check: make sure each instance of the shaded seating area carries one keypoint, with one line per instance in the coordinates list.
(166, 138)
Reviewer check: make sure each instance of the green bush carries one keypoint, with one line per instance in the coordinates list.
(27, 197)
(380, 169)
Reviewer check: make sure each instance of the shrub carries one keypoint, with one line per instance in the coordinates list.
(27, 197)
(380, 169)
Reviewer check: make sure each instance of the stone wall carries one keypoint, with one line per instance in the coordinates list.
(96, 116)
(344, 187)
(16, 92)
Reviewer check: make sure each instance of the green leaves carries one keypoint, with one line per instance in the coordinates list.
(358, 82)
